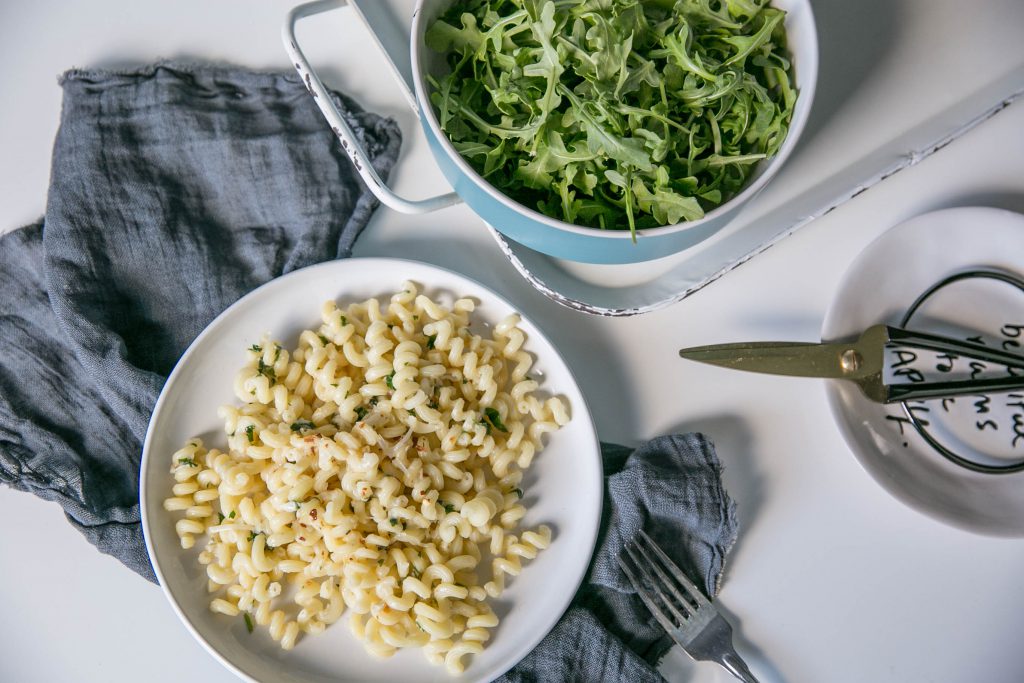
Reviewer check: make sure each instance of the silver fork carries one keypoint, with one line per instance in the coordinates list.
(680, 607)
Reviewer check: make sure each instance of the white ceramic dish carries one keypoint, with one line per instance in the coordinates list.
(563, 487)
(880, 286)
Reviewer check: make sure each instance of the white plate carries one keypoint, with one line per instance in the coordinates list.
(563, 487)
(879, 287)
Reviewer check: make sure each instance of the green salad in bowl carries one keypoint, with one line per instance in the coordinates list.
(614, 114)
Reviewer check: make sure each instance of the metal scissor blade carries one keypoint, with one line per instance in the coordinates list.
(776, 358)
(850, 360)
(862, 361)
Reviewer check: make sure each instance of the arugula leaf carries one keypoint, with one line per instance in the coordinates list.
(442, 36)
(549, 63)
(472, 148)
(601, 140)
(667, 205)
(677, 46)
(747, 44)
(299, 425)
(614, 114)
(551, 157)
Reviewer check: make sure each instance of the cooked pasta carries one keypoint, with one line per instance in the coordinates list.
(376, 467)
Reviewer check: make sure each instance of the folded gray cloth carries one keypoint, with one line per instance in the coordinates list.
(174, 192)
(671, 487)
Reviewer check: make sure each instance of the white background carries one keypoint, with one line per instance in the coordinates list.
(831, 579)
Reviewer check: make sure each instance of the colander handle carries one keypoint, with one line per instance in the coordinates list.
(349, 141)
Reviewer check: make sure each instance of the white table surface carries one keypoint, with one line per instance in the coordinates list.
(831, 579)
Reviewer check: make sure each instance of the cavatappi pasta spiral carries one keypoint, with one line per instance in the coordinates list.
(376, 467)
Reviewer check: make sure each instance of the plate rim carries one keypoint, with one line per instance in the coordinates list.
(282, 281)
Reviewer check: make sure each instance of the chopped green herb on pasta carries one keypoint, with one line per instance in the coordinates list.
(389, 460)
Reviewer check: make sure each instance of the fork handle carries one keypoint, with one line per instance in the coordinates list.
(737, 667)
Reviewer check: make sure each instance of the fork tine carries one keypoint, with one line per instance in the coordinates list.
(662, 618)
(649, 560)
(705, 635)
(695, 593)
(651, 580)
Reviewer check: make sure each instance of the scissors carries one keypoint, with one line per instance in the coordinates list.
(863, 362)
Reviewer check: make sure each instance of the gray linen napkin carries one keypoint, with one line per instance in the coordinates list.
(177, 190)
(671, 487)
(174, 191)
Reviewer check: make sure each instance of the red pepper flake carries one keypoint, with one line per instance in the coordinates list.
(302, 538)
(312, 513)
